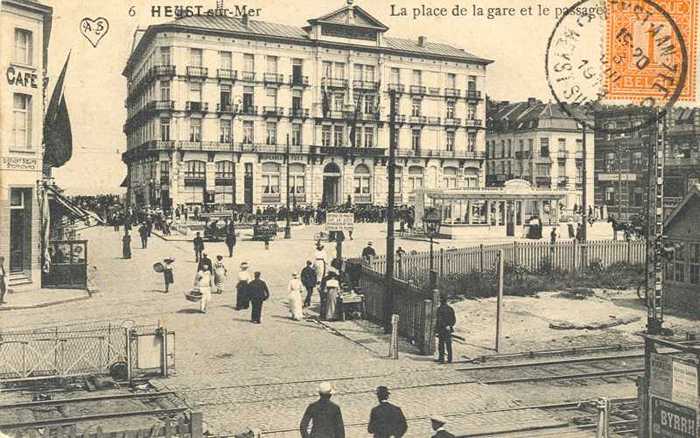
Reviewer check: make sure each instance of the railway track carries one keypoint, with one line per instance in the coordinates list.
(73, 411)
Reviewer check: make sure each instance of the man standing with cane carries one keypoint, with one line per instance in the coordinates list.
(444, 327)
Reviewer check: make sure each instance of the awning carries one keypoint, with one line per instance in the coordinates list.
(72, 210)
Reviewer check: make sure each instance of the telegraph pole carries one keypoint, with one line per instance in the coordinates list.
(584, 191)
(288, 225)
(389, 275)
(655, 225)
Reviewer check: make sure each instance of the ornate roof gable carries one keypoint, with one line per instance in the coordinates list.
(351, 15)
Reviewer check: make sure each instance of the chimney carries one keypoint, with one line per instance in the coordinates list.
(531, 101)
(244, 19)
(422, 40)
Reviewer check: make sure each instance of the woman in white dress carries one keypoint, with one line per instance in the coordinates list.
(296, 310)
(320, 262)
(242, 299)
(204, 280)
(333, 290)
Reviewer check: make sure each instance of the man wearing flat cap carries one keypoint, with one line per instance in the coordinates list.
(438, 423)
(324, 415)
(386, 420)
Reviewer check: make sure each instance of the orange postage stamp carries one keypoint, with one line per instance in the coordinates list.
(651, 50)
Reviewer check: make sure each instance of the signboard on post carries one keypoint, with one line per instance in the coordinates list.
(671, 420)
(340, 222)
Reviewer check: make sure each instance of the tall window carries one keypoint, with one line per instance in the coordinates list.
(450, 109)
(22, 127)
(165, 56)
(450, 177)
(471, 111)
(195, 129)
(225, 131)
(327, 69)
(165, 129)
(338, 135)
(224, 170)
(271, 129)
(415, 178)
(225, 60)
(338, 101)
(471, 84)
(296, 134)
(271, 178)
(326, 135)
(369, 73)
(195, 91)
(271, 64)
(610, 196)
(362, 180)
(195, 170)
(395, 75)
(450, 141)
(339, 70)
(296, 179)
(196, 57)
(357, 72)
(224, 95)
(296, 100)
(415, 139)
(297, 70)
(247, 98)
(370, 106)
(248, 62)
(369, 136)
(417, 77)
(164, 170)
(248, 131)
(271, 94)
(561, 143)
(544, 147)
(451, 80)
(165, 90)
(23, 46)
(579, 145)
(416, 107)
(694, 262)
(679, 262)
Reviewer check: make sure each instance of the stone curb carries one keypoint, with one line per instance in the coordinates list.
(47, 303)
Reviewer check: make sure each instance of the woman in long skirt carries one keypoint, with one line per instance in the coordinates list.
(220, 274)
(296, 310)
(204, 280)
(242, 300)
(126, 245)
(333, 290)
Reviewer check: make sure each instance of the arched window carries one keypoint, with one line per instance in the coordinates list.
(449, 176)
(362, 184)
(297, 181)
(271, 182)
(331, 168)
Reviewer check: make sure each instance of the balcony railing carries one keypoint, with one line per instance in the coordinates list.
(562, 155)
(473, 95)
(272, 198)
(223, 181)
(299, 81)
(417, 120)
(434, 91)
(562, 181)
(335, 83)
(197, 72)
(399, 88)
(417, 89)
(543, 180)
(523, 155)
(298, 112)
(431, 120)
(579, 155)
(226, 74)
(249, 110)
(348, 151)
(371, 117)
(163, 70)
(273, 78)
(473, 123)
(160, 105)
(247, 76)
(225, 108)
(297, 197)
(452, 92)
(196, 106)
(193, 181)
(365, 85)
(453, 121)
(273, 111)
(362, 199)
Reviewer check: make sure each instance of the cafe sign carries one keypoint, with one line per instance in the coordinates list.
(20, 78)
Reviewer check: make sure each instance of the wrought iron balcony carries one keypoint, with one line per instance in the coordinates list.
(562, 181)
(399, 88)
(163, 70)
(434, 91)
(419, 120)
(523, 155)
(453, 121)
(298, 112)
(431, 120)
(417, 89)
(247, 76)
(562, 155)
(226, 74)
(362, 199)
(579, 155)
(223, 181)
(193, 106)
(473, 123)
(543, 180)
(299, 81)
(160, 105)
(365, 85)
(273, 111)
(249, 110)
(225, 108)
(197, 71)
(473, 95)
(274, 198)
(452, 92)
(273, 78)
(335, 83)
(193, 181)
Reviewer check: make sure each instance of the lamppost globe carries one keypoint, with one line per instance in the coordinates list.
(432, 222)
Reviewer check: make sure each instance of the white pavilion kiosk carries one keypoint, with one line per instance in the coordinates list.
(471, 212)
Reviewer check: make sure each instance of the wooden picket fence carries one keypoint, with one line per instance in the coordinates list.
(569, 256)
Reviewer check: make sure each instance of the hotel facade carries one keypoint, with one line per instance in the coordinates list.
(25, 27)
(214, 102)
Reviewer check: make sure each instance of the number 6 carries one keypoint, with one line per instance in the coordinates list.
(132, 11)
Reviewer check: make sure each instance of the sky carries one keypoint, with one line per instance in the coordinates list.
(96, 90)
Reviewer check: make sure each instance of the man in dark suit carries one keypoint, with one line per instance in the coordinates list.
(386, 420)
(368, 252)
(438, 423)
(309, 280)
(444, 327)
(258, 293)
(198, 243)
(324, 415)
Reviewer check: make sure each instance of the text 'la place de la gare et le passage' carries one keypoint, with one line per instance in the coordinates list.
(491, 13)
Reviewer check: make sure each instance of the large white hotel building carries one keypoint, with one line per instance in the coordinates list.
(212, 101)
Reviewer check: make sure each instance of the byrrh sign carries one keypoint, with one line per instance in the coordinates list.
(673, 404)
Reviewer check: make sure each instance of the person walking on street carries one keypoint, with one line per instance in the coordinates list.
(220, 273)
(325, 417)
(309, 280)
(168, 273)
(126, 245)
(438, 424)
(332, 289)
(444, 327)
(258, 294)
(296, 310)
(143, 232)
(368, 252)
(230, 238)
(386, 420)
(244, 279)
(204, 281)
(198, 243)
(205, 261)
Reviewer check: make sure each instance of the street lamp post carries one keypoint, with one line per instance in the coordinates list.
(431, 226)
(288, 225)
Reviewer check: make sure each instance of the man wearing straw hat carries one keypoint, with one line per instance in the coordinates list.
(324, 416)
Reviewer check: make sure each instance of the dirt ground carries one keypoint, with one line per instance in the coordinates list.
(526, 322)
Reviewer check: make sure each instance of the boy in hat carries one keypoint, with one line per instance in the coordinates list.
(168, 273)
(386, 420)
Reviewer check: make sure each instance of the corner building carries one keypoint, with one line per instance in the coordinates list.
(212, 101)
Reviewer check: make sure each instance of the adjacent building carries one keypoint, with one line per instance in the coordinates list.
(213, 102)
(539, 143)
(25, 27)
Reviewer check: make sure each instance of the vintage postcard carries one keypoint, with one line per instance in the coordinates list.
(349, 218)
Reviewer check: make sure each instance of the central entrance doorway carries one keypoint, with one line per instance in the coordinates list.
(331, 184)
(20, 229)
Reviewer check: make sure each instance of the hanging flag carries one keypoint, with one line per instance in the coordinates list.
(43, 196)
(58, 138)
(325, 100)
(353, 126)
(378, 100)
